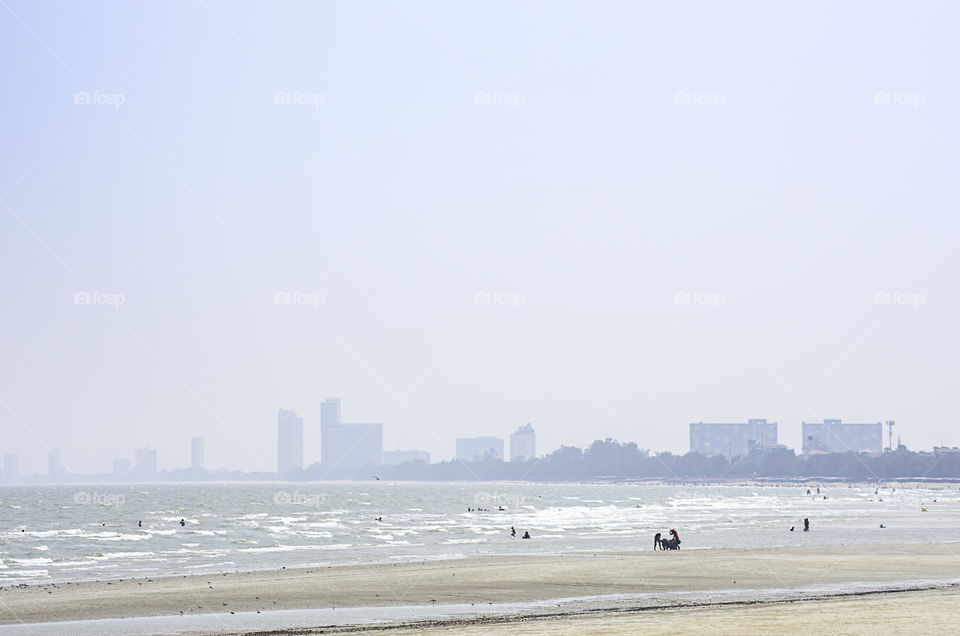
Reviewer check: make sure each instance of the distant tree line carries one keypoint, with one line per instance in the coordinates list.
(609, 459)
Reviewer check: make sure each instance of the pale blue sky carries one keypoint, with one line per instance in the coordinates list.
(776, 164)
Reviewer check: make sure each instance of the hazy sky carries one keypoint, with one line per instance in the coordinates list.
(608, 219)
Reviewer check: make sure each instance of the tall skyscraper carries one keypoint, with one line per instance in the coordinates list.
(11, 467)
(330, 412)
(523, 444)
(289, 441)
(55, 466)
(329, 418)
(344, 444)
(145, 464)
(196, 453)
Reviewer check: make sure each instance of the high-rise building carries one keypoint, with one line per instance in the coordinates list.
(330, 412)
(733, 439)
(392, 458)
(473, 449)
(144, 464)
(55, 467)
(11, 467)
(329, 418)
(523, 444)
(834, 436)
(289, 441)
(196, 453)
(343, 444)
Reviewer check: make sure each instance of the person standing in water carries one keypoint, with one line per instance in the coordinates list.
(806, 525)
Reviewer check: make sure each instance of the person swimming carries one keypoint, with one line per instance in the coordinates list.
(791, 528)
(182, 523)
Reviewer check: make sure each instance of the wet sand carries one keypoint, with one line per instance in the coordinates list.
(927, 612)
(668, 577)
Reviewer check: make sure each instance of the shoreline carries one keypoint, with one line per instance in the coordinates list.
(667, 579)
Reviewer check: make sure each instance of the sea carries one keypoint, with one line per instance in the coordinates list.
(76, 533)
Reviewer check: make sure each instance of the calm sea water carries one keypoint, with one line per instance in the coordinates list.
(57, 533)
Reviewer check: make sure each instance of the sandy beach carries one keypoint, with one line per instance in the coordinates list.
(706, 582)
(924, 612)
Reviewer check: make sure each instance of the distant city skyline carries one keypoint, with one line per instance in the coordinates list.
(361, 444)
